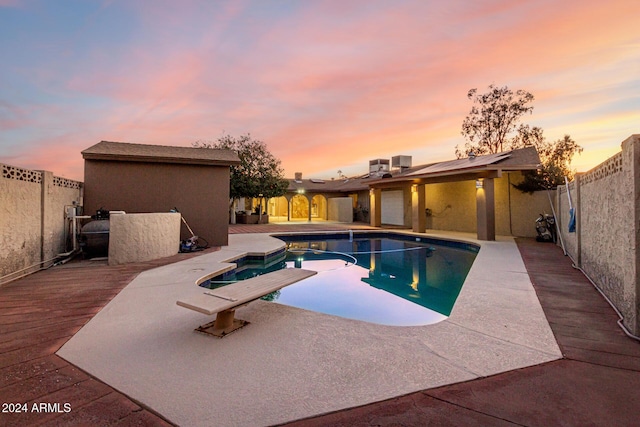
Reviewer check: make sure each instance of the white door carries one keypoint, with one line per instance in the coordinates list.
(392, 210)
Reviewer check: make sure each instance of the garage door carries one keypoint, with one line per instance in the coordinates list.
(392, 210)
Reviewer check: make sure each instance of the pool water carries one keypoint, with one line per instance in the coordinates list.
(385, 280)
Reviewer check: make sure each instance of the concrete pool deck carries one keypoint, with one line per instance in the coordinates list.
(289, 363)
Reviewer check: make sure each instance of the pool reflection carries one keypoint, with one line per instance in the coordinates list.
(414, 283)
(379, 280)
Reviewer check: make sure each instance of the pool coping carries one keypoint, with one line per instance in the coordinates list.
(142, 344)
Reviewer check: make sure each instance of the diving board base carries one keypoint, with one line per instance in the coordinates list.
(224, 324)
(224, 301)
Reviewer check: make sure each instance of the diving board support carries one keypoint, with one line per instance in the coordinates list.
(224, 301)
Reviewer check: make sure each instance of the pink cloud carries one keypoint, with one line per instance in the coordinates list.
(337, 81)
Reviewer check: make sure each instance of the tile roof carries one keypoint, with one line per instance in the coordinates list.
(124, 151)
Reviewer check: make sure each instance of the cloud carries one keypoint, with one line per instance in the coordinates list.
(324, 84)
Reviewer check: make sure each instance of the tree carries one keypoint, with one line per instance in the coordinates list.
(259, 174)
(493, 125)
(555, 158)
(492, 119)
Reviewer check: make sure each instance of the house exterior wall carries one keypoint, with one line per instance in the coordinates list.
(453, 206)
(525, 209)
(340, 209)
(200, 192)
(33, 228)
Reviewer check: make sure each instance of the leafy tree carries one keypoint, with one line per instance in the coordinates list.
(493, 118)
(259, 173)
(493, 126)
(555, 158)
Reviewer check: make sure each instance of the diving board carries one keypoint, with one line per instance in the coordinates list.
(225, 300)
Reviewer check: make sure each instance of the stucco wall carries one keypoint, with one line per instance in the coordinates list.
(608, 246)
(201, 193)
(525, 207)
(32, 217)
(143, 237)
(340, 209)
(606, 242)
(453, 206)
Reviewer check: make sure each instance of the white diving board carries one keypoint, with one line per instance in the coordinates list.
(225, 300)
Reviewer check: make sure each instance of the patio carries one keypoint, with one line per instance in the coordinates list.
(595, 383)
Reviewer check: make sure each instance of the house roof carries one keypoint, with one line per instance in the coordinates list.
(330, 186)
(124, 151)
(453, 170)
(489, 165)
(460, 164)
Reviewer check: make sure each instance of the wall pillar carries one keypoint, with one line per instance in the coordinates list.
(632, 145)
(418, 215)
(47, 250)
(289, 203)
(375, 206)
(485, 209)
(577, 208)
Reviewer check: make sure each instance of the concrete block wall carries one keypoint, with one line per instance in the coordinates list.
(606, 242)
(32, 218)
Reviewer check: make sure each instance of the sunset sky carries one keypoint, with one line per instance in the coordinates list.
(327, 85)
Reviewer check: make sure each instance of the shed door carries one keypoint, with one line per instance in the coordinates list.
(392, 210)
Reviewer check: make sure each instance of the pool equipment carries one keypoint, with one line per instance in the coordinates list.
(94, 236)
(193, 243)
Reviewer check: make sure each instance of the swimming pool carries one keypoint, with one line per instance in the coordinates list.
(385, 278)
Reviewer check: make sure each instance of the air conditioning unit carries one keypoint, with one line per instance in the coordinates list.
(401, 162)
(378, 166)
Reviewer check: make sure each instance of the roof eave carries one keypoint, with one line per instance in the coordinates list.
(156, 159)
(482, 172)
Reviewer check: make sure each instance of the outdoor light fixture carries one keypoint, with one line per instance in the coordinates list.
(414, 188)
(480, 183)
(300, 190)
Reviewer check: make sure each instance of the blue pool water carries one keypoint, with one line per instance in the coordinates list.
(378, 278)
